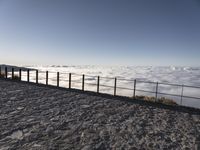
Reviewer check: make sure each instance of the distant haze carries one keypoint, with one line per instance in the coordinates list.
(100, 32)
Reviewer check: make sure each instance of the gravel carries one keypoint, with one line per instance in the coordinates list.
(38, 118)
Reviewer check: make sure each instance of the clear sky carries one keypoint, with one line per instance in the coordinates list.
(100, 32)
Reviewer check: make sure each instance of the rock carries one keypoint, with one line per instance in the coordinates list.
(196, 118)
(85, 106)
(12, 98)
(49, 129)
(17, 135)
(20, 108)
(4, 148)
(100, 146)
(37, 145)
(87, 147)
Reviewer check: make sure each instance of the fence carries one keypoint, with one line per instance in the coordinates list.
(83, 78)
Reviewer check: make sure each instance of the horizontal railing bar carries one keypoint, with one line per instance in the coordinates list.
(72, 81)
(51, 72)
(184, 96)
(91, 76)
(41, 71)
(125, 79)
(191, 97)
(189, 86)
(144, 91)
(64, 80)
(150, 82)
(171, 84)
(76, 74)
(107, 78)
(91, 84)
(64, 73)
(118, 87)
(169, 94)
(105, 85)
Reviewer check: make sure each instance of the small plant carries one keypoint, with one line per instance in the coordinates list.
(16, 77)
(167, 101)
(162, 100)
(2, 75)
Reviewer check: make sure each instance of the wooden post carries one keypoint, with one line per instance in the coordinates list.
(98, 80)
(70, 80)
(182, 94)
(37, 76)
(46, 77)
(134, 89)
(6, 72)
(156, 96)
(28, 75)
(12, 73)
(20, 74)
(83, 82)
(115, 86)
(57, 79)
(0, 71)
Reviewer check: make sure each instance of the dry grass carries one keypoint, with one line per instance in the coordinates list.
(16, 77)
(2, 75)
(162, 100)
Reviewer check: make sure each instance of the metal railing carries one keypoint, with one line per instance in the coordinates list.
(83, 79)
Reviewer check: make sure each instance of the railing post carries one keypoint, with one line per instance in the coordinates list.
(182, 94)
(46, 77)
(6, 72)
(115, 86)
(134, 89)
(12, 73)
(28, 75)
(83, 82)
(57, 79)
(37, 76)
(98, 80)
(20, 74)
(156, 96)
(0, 71)
(70, 80)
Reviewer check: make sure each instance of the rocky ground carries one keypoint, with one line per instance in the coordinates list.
(38, 117)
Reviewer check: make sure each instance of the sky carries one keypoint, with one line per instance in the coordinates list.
(100, 32)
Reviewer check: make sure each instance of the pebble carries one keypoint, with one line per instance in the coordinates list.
(17, 135)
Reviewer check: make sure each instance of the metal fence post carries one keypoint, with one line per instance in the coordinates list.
(182, 94)
(83, 82)
(12, 73)
(28, 75)
(98, 80)
(57, 79)
(115, 86)
(134, 89)
(6, 72)
(46, 77)
(156, 96)
(37, 76)
(70, 80)
(20, 74)
(0, 71)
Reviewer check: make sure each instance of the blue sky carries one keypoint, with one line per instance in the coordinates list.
(100, 32)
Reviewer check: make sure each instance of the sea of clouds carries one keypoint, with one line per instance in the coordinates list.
(125, 78)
